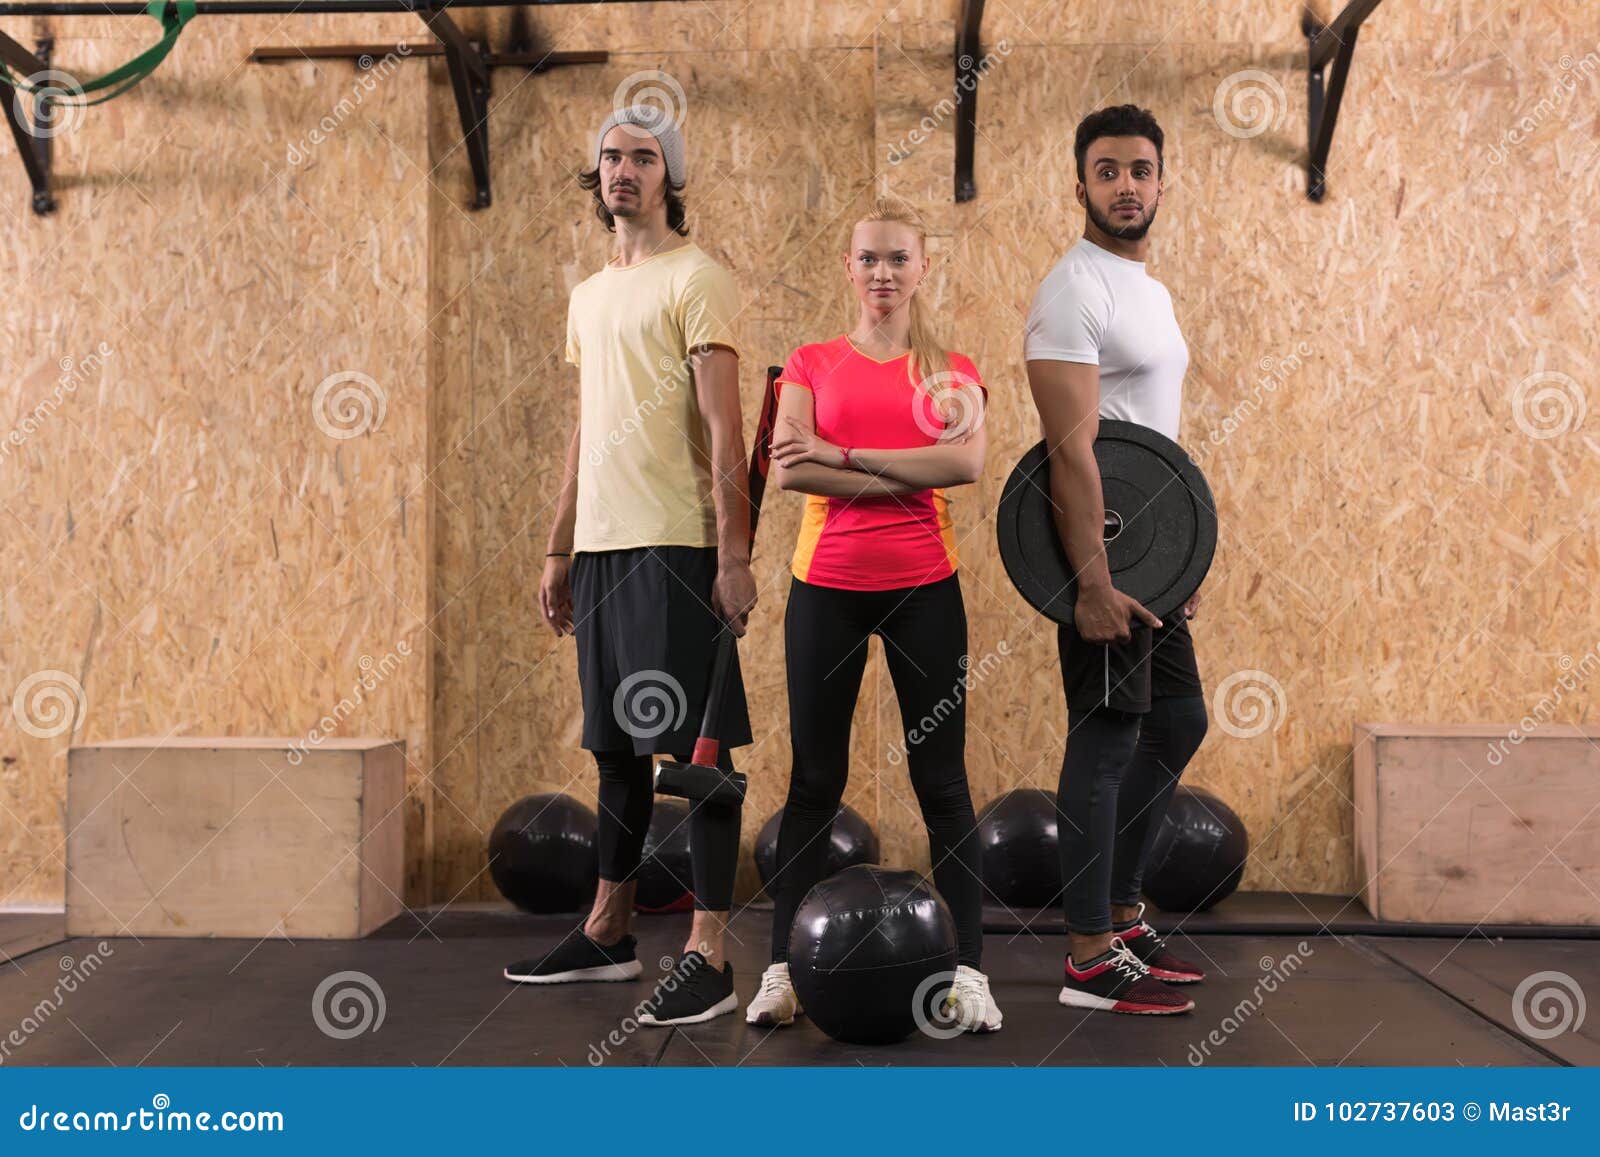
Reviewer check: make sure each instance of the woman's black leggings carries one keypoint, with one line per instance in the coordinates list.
(627, 797)
(924, 632)
(1117, 778)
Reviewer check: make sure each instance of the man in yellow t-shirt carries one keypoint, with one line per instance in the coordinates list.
(649, 555)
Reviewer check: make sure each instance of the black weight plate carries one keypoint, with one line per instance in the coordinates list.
(1161, 524)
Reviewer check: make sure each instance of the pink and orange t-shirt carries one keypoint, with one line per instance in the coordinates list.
(877, 542)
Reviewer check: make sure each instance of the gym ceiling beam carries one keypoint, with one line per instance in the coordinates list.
(1335, 41)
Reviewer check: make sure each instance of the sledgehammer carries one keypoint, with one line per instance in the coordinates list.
(701, 778)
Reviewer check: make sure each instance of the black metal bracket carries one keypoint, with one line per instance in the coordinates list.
(969, 46)
(1334, 41)
(468, 61)
(470, 68)
(469, 77)
(33, 147)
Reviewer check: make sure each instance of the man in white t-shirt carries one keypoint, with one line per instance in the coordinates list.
(1103, 342)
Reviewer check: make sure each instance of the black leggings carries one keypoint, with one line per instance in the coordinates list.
(924, 631)
(627, 797)
(1117, 778)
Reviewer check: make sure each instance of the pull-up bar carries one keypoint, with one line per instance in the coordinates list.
(281, 7)
(469, 65)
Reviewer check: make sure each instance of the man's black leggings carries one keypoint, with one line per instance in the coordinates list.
(1117, 778)
(627, 797)
(924, 632)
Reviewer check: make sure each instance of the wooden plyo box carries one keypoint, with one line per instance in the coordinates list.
(1474, 823)
(234, 837)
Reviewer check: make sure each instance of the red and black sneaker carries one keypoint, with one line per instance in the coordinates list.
(1118, 981)
(1145, 943)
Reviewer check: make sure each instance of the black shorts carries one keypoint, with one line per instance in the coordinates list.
(1154, 664)
(646, 634)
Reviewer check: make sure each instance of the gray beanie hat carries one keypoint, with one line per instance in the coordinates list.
(659, 124)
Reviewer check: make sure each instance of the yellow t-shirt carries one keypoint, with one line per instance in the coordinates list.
(644, 461)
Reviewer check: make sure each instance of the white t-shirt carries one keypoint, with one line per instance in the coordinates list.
(1099, 309)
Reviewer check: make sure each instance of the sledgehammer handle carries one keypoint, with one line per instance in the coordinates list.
(708, 747)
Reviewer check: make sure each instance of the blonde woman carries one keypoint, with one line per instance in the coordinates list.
(872, 426)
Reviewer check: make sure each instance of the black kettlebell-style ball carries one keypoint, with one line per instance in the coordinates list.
(1020, 843)
(543, 856)
(862, 945)
(665, 872)
(851, 841)
(1199, 853)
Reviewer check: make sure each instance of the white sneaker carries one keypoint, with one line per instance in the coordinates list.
(975, 1009)
(776, 1004)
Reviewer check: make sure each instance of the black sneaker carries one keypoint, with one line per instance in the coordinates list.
(1118, 981)
(1164, 964)
(578, 958)
(691, 993)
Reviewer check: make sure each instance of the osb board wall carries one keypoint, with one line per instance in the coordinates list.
(182, 540)
(1395, 546)
(507, 712)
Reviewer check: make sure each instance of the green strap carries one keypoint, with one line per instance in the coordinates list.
(121, 79)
